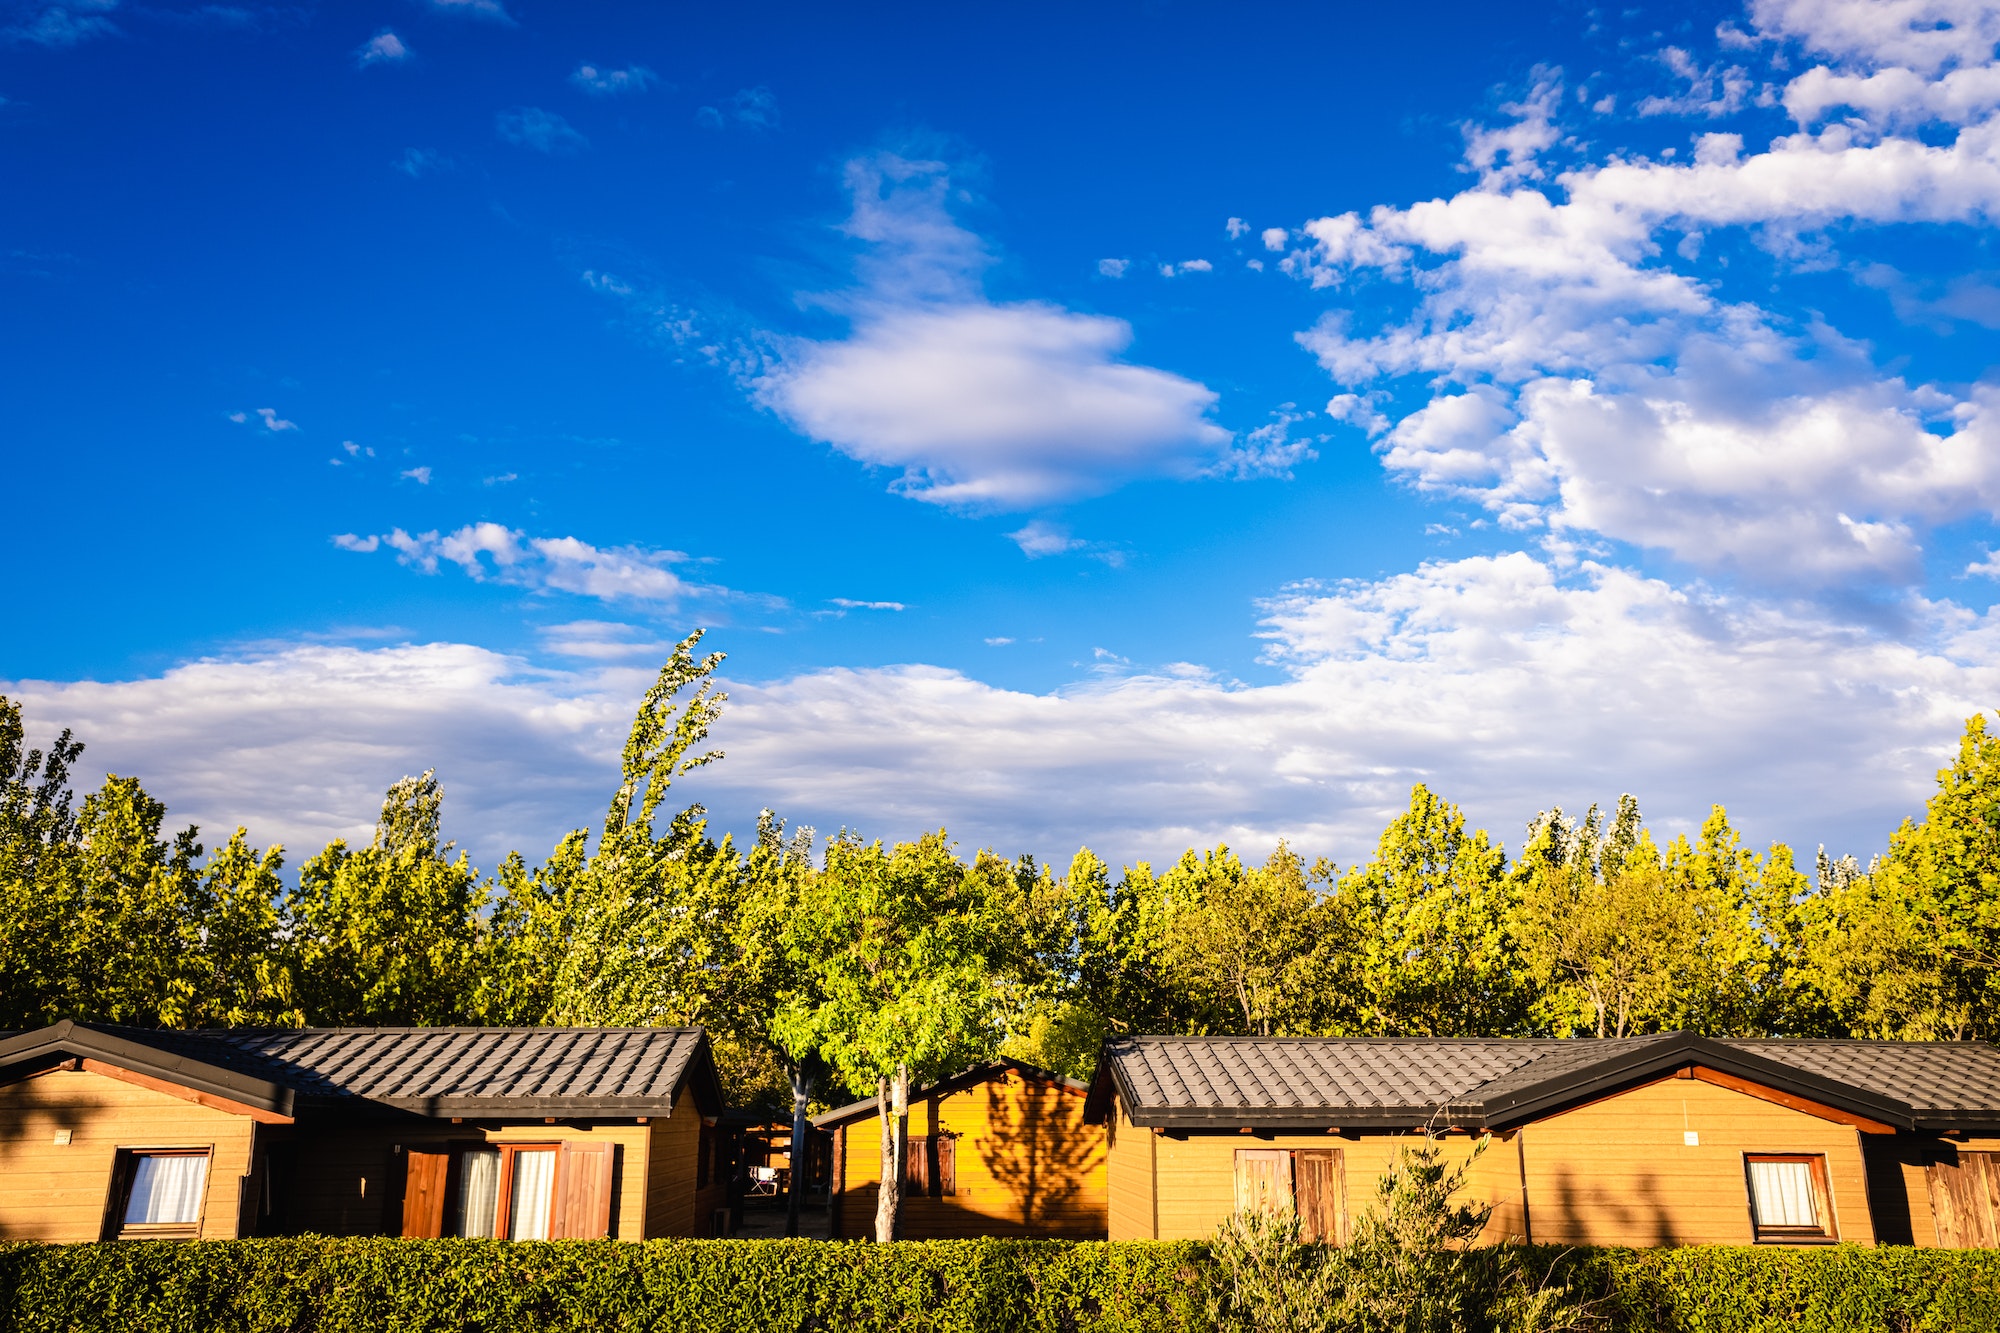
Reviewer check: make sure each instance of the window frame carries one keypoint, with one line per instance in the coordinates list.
(118, 1198)
(1828, 1230)
(503, 1204)
(1285, 1181)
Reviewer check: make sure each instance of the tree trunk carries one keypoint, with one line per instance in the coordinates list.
(892, 1179)
(802, 1086)
(899, 1093)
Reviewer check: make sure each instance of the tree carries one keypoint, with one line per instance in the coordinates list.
(387, 934)
(1912, 949)
(1260, 940)
(651, 908)
(893, 949)
(233, 969)
(1436, 957)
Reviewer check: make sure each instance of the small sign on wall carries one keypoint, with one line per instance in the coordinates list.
(62, 1138)
(1691, 1137)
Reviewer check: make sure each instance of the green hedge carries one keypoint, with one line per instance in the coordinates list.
(318, 1285)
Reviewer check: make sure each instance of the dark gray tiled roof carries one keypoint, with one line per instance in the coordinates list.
(1252, 1080)
(452, 1071)
(1936, 1078)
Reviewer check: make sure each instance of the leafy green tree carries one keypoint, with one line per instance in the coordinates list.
(388, 934)
(1911, 949)
(653, 910)
(1728, 972)
(233, 968)
(1125, 977)
(893, 948)
(1436, 957)
(1261, 940)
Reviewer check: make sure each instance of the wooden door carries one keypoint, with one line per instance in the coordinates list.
(1965, 1200)
(917, 1173)
(583, 1192)
(423, 1193)
(1263, 1180)
(1319, 1188)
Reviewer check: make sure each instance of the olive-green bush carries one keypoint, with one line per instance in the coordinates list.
(321, 1285)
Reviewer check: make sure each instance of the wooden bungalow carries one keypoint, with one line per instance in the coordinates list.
(524, 1133)
(1001, 1150)
(1659, 1140)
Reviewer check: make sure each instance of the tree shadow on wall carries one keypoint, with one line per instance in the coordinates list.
(1039, 1150)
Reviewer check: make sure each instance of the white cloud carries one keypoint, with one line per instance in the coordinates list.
(1270, 450)
(748, 108)
(1275, 238)
(1237, 228)
(491, 10)
(1987, 568)
(604, 641)
(982, 405)
(420, 475)
(1113, 268)
(1584, 382)
(544, 564)
(416, 161)
(543, 131)
(1711, 91)
(267, 416)
(1502, 684)
(384, 48)
(1509, 154)
(61, 25)
(850, 604)
(998, 641)
(1040, 538)
(1186, 266)
(611, 82)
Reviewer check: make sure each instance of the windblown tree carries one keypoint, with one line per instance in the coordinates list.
(894, 950)
(653, 909)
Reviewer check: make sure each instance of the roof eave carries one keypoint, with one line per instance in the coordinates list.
(1619, 1071)
(68, 1038)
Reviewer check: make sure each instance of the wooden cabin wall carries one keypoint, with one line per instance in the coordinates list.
(1619, 1172)
(1129, 1174)
(60, 1193)
(348, 1181)
(1194, 1175)
(1901, 1171)
(1027, 1166)
(675, 1205)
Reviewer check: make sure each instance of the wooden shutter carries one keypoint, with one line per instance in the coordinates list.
(917, 1167)
(1319, 1184)
(1965, 1200)
(583, 1192)
(947, 1159)
(1263, 1180)
(423, 1193)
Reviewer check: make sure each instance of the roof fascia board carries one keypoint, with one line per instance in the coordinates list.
(1609, 1075)
(70, 1038)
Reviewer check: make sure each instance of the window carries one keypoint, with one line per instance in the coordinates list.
(932, 1165)
(156, 1193)
(1788, 1198)
(1310, 1182)
(529, 1191)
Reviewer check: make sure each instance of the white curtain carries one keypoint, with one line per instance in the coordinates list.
(166, 1190)
(1784, 1194)
(478, 1191)
(534, 1186)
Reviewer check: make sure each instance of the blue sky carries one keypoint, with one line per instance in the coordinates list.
(1155, 425)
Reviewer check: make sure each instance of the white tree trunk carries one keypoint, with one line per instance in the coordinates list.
(888, 1194)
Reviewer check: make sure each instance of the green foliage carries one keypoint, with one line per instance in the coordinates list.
(1265, 1279)
(388, 934)
(1436, 954)
(321, 1285)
